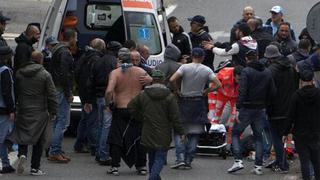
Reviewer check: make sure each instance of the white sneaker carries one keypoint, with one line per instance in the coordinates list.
(37, 172)
(257, 170)
(237, 165)
(21, 162)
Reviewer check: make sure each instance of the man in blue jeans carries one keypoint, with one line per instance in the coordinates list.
(192, 106)
(156, 107)
(256, 88)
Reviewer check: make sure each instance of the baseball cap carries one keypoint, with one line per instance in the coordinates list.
(276, 9)
(3, 18)
(306, 75)
(198, 18)
(51, 40)
(197, 52)
(157, 74)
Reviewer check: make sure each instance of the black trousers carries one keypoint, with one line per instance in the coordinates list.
(308, 152)
(116, 153)
(36, 153)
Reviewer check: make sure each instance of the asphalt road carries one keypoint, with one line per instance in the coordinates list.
(83, 167)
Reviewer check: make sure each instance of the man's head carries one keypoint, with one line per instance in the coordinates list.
(247, 13)
(37, 57)
(135, 58)
(51, 42)
(251, 56)
(70, 36)
(197, 23)
(114, 47)
(304, 45)
(272, 52)
(5, 55)
(284, 31)
(158, 76)
(98, 44)
(174, 25)
(144, 51)
(276, 14)
(306, 76)
(130, 44)
(33, 33)
(243, 30)
(254, 23)
(237, 73)
(124, 55)
(197, 55)
(3, 23)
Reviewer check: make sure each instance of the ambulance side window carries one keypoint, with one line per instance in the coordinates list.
(142, 28)
(102, 16)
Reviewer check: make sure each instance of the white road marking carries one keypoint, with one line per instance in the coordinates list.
(219, 34)
(10, 36)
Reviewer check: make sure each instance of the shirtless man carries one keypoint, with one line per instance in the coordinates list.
(125, 83)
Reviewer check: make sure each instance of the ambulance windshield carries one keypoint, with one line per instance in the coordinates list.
(142, 28)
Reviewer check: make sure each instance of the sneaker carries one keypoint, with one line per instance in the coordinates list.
(22, 160)
(57, 158)
(178, 165)
(114, 171)
(270, 164)
(237, 165)
(187, 166)
(277, 169)
(7, 170)
(257, 170)
(37, 172)
(142, 171)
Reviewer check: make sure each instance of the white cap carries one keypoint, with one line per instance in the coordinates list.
(276, 9)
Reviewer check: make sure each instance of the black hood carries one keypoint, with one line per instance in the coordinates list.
(256, 65)
(92, 52)
(308, 94)
(30, 69)
(282, 63)
(23, 38)
(157, 91)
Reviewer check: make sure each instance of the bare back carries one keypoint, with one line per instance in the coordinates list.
(125, 85)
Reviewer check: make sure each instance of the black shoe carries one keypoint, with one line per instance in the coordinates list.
(142, 171)
(105, 163)
(114, 171)
(7, 169)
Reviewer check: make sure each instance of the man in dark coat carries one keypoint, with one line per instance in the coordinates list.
(156, 107)
(7, 106)
(198, 35)
(286, 82)
(287, 44)
(302, 53)
(24, 47)
(3, 23)
(37, 105)
(304, 124)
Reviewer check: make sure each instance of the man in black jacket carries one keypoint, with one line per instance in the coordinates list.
(305, 125)
(7, 106)
(86, 132)
(62, 75)
(286, 82)
(256, 88)
(3, 23)
(180, 38)
(98, 82)
(287, 44)
(24, 47)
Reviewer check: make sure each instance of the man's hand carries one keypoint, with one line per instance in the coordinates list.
(87, 108)
(70, 99)
(284, 139)
(12, 116)
(53, 117)
(237, 117)
(145, 80)
(183, 138)
(207, 45)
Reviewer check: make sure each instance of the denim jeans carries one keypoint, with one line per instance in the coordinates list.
(104, 124)
(157, 159)
(5, 128)
(185, 151)
(253, 117)
(281, 159)
(61, 123)
(267, 140)
(87, 130)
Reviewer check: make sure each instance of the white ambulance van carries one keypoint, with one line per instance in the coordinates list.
(111, 20)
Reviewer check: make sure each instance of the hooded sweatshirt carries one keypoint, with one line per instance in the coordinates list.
(182, 41)
(157, 108)
(170, 65)
(304, 114)
(23, 51)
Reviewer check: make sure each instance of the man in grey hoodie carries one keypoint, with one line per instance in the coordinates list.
(171, 63)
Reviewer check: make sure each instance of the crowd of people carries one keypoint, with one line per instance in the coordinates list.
(131, 110)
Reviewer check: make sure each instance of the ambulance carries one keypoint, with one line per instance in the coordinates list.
(111, 20)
